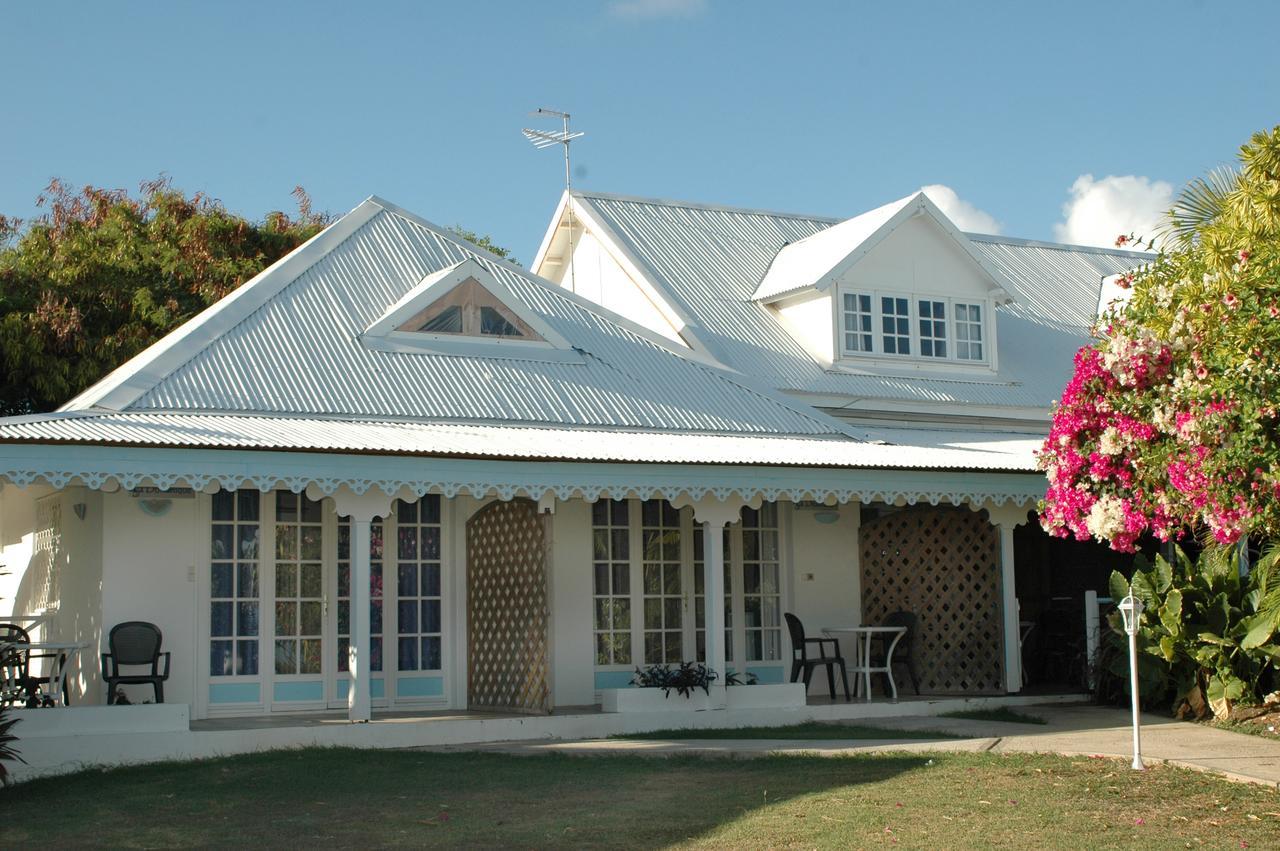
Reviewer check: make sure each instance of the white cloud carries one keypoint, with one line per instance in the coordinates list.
(1098, 211)
(645, 9)
(962, 214)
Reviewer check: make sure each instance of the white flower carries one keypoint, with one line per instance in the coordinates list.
(1106, 518)
(1111, 442)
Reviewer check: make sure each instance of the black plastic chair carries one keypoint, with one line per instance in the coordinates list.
(802, 663)
(134, 644)
(904, 653)
(17, 687)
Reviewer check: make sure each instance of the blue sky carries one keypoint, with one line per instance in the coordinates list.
(818, 107)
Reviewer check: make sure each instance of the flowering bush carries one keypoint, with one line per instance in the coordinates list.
(1170, 421)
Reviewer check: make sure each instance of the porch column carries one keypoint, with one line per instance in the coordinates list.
(714, 515)
(713, 598)
(1007, 518)
(362, 508)
(360, 647)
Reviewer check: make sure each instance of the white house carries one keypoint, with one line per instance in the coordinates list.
(395, 471)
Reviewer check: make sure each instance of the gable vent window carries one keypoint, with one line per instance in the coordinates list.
(933, 329)
(969, 331)
(895, 318)
(470, 310)
(857, 322)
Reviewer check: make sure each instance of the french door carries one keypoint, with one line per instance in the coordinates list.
(279, 604)
(648, 585)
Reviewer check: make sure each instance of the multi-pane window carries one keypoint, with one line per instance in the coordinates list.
(344, 595)
(234, 597)
(663, 594)
(895, 325)
(933, 328)
(761, 586)
(905, 323)
(611, 559)
(418, 618)
(969, 332)
(700, 596)
(857, 322)
(299, 585)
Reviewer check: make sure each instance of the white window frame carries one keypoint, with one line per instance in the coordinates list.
(880, 357)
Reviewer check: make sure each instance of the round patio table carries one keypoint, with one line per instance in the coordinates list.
(862, 638)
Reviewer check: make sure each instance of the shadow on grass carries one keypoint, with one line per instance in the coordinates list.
(369, 798)
(809, 730)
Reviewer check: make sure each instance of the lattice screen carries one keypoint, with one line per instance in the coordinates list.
(943, 564)
(43, 579)
(507, 614)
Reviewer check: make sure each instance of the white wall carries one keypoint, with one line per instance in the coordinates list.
(149, 574)
(572, 653)
(827, 576)
(599, 277)
(17, 542)
(918, 257)
(808, 319)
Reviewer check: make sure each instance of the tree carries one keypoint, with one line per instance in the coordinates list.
(1170, 423)
(483, 241)
(100, 275)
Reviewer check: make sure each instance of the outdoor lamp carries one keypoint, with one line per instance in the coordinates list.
(1131, 611)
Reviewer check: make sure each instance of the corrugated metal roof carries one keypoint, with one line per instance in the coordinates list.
(801, 264)
(708, 261)
(296, 350)
(229, 431)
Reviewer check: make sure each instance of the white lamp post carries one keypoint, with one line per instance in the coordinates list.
(1131, 611)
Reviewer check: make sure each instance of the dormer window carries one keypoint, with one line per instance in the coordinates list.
(470, 310)
(466, 310)
(928, 328)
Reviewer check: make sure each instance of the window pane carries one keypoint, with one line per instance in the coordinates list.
(447, 321)
(220, 658)
(224, 505)
(431, 654)
(220, 620)
(247, 658)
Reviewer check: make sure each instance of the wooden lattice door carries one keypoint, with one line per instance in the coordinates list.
(943, 564)
(507, 615)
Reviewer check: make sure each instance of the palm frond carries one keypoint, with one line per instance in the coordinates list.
(1199, 203)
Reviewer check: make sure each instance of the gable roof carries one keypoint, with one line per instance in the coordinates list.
(708, 260)
(818, 260)
(288, 343)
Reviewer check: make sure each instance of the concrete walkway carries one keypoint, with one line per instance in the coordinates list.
(1072, 729)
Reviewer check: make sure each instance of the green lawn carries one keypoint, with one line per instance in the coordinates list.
(1002, 713)
(361, 798)
(807, 730)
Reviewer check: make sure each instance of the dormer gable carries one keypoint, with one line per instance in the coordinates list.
(465, 309)
(899, 288)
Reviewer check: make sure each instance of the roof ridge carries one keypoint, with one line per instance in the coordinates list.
(1059, 246)
(699, 205)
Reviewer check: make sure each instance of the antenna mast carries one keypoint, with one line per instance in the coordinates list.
(542, 139)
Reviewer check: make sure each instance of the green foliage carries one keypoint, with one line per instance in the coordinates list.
(101, 275)
(1207, 639)
(684, 679)
(483, 241)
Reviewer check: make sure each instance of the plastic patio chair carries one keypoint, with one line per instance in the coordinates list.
(134, 644)
(801, 662)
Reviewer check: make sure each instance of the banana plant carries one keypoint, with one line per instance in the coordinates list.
(1208, 638)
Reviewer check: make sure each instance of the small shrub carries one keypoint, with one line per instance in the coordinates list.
(684, 679)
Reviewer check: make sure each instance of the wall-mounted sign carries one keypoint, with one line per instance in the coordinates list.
(162, 493)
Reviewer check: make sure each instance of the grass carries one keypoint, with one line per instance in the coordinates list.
(807, 730)
(349, 798)
(1002, 713)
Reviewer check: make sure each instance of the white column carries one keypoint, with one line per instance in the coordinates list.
(713, 585)
(1012, 629)
(362, 508)
(358, 664)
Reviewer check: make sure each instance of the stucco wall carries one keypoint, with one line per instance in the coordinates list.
(148, 574)
(572, 655)
(826, 575)
(17, 541)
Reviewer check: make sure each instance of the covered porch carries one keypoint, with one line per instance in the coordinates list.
(289, 582)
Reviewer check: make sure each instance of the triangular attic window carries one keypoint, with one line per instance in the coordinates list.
(470, 310)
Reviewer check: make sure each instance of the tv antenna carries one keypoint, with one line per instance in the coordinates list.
(544, 139)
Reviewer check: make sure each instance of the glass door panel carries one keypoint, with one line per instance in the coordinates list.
(341, 615)
(663, 584)
(299, 600)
